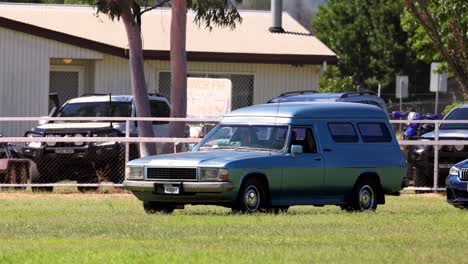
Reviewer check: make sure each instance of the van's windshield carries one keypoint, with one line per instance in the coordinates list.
(239, 137)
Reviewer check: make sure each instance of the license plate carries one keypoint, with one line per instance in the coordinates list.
(171, 190)
(445, 166)
(64, 151)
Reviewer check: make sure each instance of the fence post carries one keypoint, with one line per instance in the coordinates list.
(436, 157)
(127, 144)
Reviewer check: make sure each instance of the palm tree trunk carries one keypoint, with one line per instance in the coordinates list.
(178, 66)
(139, 89)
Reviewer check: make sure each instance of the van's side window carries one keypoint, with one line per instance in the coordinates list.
(342, 132)
(303, 137)
(374, 132)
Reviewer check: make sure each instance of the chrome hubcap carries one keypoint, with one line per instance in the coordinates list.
(366, 197)
(251, 198)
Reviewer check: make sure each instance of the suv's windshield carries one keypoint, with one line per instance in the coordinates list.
(96, 109)
(457, 114)
(268, 138)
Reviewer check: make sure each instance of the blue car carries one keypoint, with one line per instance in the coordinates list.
(457, 185)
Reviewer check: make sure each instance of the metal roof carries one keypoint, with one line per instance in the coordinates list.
(310, 110)
(250, 41)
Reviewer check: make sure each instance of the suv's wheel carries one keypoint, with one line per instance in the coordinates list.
(155, 207)
(87, 188)
(422, 177)
(252, 196)
(364, 195)
(44, 175)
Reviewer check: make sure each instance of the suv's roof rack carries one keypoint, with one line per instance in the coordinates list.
(155, 94)
(106, 94)
(298, 92)
(92, 94)
(348, 94)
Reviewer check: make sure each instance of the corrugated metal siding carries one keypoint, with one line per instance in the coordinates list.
(24, 75)
(113, 74)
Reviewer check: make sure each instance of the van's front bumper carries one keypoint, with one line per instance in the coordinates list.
(189, 187)
(217, 193)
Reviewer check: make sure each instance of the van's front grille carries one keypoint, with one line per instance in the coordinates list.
(463, 174)
(172, 173)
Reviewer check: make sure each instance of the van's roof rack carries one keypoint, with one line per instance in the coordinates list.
(298, 92)
(348, 94)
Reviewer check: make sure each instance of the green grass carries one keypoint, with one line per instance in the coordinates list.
(62, 228)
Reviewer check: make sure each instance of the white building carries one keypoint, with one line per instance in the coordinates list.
(71, 50)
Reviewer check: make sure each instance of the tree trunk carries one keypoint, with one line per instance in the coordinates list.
(139, 89)
(178, 66)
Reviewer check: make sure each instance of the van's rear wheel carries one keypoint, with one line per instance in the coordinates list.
(364, 196)
(252, 196)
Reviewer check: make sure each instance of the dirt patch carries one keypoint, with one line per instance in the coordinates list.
(425, 195)
(49, 196)
(91, 196)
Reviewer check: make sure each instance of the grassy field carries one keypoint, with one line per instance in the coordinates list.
(106, 228)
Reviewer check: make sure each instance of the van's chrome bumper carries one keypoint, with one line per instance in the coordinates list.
(190, 187)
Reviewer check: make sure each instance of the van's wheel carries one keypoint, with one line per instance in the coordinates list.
(252, 197)
(155, 207)
(364, 196)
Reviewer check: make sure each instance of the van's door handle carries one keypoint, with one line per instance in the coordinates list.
(327, 150)
(318, 158)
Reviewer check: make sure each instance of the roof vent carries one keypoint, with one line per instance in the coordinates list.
(277, 15)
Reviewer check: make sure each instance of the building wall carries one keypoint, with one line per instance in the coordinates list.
(24, 75)
(113, 74)
(26, 59)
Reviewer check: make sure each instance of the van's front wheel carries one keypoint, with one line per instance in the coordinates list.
(364, 196)
(252, 196)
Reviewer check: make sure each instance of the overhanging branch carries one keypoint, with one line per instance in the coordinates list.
(155, 6)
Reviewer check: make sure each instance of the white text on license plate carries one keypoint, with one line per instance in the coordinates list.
(171, 190)
(65, 151)
(445, 165)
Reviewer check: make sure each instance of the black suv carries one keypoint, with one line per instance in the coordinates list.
(423, 156)
(314, 96)
(88, 162)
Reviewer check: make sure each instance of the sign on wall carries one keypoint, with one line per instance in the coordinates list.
(208, 97)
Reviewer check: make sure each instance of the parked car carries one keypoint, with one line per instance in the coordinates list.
(314, 96)
(270, 156)
(423, 156)
(457, 185)
(83, 161)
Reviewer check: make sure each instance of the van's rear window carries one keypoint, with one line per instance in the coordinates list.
(343, 132)
(374, 132)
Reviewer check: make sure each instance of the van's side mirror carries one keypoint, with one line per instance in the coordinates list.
(191, 146)
(296, 149)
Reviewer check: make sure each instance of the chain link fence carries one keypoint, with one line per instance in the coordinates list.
(87, 160)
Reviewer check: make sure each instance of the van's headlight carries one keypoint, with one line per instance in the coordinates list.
(454, 171)
(214, 174)
(134, 173)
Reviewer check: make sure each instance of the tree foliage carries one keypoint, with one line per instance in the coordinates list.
(370, 42)
(331, 81)
(439, 30)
